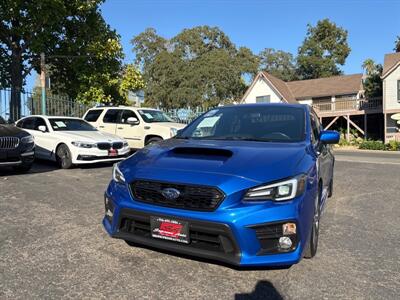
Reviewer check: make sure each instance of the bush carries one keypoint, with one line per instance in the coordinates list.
(372, 145)
(393, 146)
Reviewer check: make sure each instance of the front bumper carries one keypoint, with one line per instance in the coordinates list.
(233, 228)
(24, 154)
(94, 155)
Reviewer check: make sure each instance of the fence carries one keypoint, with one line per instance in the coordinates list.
(348, 105)
(31, 105)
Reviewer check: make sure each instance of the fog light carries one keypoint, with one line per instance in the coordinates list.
(285, 243)
(289, 228)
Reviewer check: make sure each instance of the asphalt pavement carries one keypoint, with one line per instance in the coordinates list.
(52, 244)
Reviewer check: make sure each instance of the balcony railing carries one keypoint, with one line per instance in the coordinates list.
(349, 105)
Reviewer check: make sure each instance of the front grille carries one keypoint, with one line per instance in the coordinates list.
(192, 197)
(8, 142)
(117, 145)
(104, 146)
(210, 237)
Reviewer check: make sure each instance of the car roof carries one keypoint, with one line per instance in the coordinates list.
(303, 106)
(52, 117)
(121, 107)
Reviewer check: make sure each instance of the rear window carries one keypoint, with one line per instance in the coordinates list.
(93, 115)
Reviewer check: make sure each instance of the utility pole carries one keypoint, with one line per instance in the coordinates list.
(43, 81)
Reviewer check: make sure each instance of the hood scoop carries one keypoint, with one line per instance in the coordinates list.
(201, 152)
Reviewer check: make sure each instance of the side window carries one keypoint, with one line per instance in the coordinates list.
(28, 123)
(126, 113)
(93, 115)
(40, 122)
(111, 116)
(315, 128)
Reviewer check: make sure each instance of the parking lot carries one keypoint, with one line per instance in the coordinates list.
(52, 244)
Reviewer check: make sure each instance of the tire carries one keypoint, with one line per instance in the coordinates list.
(23, 168)
(153, 140)
(63, 156)
(330, 189)
(312, 244)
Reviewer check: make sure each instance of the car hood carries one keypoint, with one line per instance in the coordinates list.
(167, 125)
(10, 130)
(215, 162)
(89, 136)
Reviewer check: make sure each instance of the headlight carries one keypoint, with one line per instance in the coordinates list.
(83, 144)
(117, 174)
(27, 139)
(173, 132)
(279, 191)
(126, 144)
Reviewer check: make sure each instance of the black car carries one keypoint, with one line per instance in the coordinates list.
(17, 147)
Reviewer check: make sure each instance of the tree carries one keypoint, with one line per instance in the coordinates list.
(397, 44)
(278, 63)
(324, 49)
(373, 82)
(198, 67)
(82, 50)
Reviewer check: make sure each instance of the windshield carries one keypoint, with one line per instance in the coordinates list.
(153, 116)
(60, 124)
(251, 123)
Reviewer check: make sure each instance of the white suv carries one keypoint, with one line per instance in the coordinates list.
(139, 126)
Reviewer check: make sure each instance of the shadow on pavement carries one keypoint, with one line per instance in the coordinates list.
(206, 260)
(263, 290)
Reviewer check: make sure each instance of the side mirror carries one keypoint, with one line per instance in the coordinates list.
(42, 128)
(329, 137)
(132, 121)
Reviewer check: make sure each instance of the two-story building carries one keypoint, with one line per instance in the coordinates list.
(339, 100)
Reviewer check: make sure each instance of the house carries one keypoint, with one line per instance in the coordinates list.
(339, 100)
(391, 96)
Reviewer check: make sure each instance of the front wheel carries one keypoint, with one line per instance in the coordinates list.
(64, 158)
(312, 243)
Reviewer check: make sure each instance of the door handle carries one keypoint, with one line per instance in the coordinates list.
(120, 127)
(101, 126)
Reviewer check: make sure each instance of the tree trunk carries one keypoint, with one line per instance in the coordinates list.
(16, 83)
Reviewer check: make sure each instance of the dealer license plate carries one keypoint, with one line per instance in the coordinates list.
(169, 229)
(112, 152)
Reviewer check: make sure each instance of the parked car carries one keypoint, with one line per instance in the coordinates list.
(243, 184)
(70, 141)
(139, 126)
(17, 147)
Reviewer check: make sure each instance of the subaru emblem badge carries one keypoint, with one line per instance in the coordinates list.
(170, 193)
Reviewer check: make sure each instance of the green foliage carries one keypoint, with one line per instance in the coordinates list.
(278, 63)
(324, 48)
(372, 145)
(199, 67)
(393, 146)
(131, 80)
(83, 54)
(373, 82)
(397, 44)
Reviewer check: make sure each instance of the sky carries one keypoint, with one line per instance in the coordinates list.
(257, 24)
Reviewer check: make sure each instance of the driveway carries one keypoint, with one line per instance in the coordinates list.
(52, 244)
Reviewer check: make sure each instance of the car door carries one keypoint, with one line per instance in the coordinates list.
(132, 133)
(109, 121)
(46, 140)
(30, 125)
(324, 161)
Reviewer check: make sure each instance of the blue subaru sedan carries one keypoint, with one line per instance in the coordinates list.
(244, 185)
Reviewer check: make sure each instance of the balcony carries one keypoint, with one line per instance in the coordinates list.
(348, 106)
